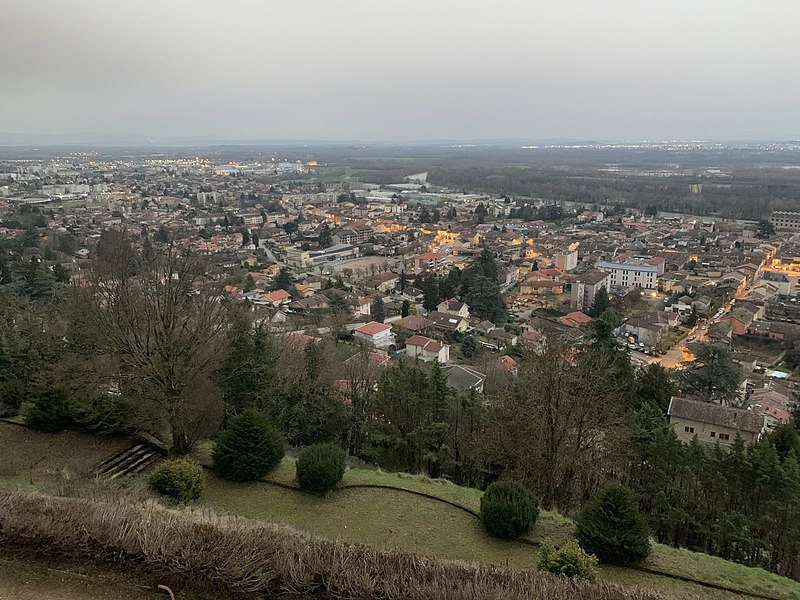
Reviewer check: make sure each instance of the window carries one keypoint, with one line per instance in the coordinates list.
(724, 436)
(688, 429)
(712, 434)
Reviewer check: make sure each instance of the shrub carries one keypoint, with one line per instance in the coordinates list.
(321, 467)
(611, 527)
(51, 411)
(249, 448)
(570, 560)
(508, 509)
(179, 479)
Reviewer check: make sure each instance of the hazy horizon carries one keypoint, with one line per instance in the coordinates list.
(362, 71)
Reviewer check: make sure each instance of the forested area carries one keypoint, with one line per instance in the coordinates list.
(150, 341)
(747, 194)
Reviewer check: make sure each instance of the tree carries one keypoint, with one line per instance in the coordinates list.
(712, 376)
(283, 280)
(290, 227)
(469, 346)
(508, 510)
(403, 281)
(245, 236)
(377, 310)
(765, 229)
(165, 328)
(338, 304)
(560, 426)
(424, 215)
(405, 308)
(481, 213)
(611, 527)
(161, 235)
(325, 236)
(248, 448)
(654, 384)
(485, 301)
(600, 302)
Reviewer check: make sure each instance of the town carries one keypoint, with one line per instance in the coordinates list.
(188, 313)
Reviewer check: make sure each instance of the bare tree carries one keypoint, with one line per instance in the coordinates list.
(163, 321)
(561, 425)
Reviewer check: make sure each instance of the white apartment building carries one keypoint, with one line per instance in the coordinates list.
(631, 274)
(566, 261)
(785, 219)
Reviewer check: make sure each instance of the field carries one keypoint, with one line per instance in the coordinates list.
(409, 513)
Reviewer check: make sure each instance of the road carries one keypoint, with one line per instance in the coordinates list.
(673, 358)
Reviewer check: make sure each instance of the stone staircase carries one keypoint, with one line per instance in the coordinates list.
(142, 453)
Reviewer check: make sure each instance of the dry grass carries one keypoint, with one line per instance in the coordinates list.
(29, 457)
(208, 553)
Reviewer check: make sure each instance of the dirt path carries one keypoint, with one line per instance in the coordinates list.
(20, 582)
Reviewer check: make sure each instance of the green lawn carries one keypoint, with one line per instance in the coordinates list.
(394, 519)
(389, 518)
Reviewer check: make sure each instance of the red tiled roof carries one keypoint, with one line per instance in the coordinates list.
(278, 295)
(372, 328)
(425, 343)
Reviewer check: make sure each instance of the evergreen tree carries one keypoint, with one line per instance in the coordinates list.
(485, 301)
(377, 310)
(600, 303)
(325, 236)
(470, 346)
(283, 281)
(654, 384)
(248, 448)
(611, 527)
(405, 308)
(712, 376)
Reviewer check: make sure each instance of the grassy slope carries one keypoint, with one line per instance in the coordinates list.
(394, 519)
(380, 517)
(28, 456)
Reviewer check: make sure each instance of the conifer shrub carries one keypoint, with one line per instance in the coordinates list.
(508, 509)
(51, 411)
(179, 479)
(612, 528)
(248, 448)
(570, 561)
(320, 467)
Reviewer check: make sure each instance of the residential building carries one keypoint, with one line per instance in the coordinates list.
(585, 287)
(429, 261)
(424, 348)
(454, 307)
(448, 322)
(566, 261)
(377, 334)
(785, 219)
(713, 423)
(632, 273)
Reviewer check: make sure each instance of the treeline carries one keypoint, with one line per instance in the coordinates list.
(747, 195)
(742, 504)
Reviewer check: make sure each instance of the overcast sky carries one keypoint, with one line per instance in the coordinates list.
(403, 69)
